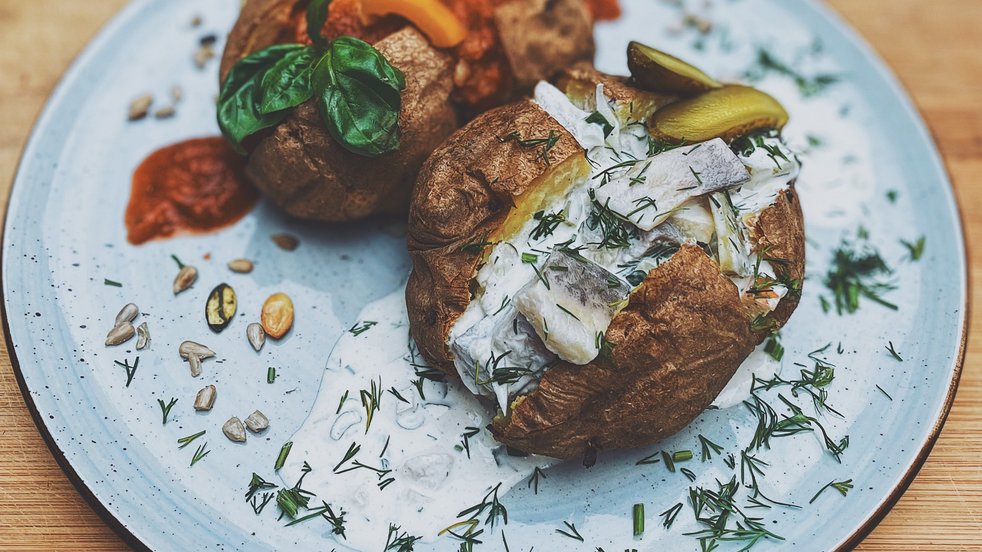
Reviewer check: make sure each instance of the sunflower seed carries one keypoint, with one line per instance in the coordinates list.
(142, 336)
(165, 112)
(202, 55)
(206, 398)
(256, 335)
(194, 361)
(242, 266)
(127, 314)
(221, 307)
(234, 430)
(139, 107)
(176, 94)
(196, 21)
(285, 241)
(185, 278)
(257, 422)
(120, 334)
(190, 348)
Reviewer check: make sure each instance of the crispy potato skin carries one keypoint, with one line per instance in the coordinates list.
(463, 194)
(308, 174)
(579, 81)
(683, 334)
(261, 23)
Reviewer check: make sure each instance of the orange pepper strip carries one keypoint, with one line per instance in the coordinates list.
(431, 17)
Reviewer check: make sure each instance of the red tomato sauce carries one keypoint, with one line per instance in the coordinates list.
(195, 186)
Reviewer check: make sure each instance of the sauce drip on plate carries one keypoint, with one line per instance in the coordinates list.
(194, 186)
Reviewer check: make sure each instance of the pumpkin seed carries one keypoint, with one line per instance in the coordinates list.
(120, 334)
(205, 398)
(185, 278)
(242, 266)
(256, 335)
(139, 107)
(142, 337)
(190, 348)
(234, 430)
(286, 242)
(221, 307)
(277, 315)
(127, 314)
(257, 422)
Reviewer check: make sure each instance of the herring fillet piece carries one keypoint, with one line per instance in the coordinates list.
(579, 302)
(648, 192)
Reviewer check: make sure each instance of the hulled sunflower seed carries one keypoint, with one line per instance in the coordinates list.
(221, 307)
(234, 430)
(194, 362)
(142, 336)
(185, 278)
(127, 314)
(165, 112)
(120, 334)
(176, 94)
(206, 398)
(242, 266)
(189, 348)
(256, 335)
(257, 422)
(202, 55)
(139, 107)
(277, 315)
(286, 242)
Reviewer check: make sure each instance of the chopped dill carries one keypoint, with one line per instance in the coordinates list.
(857, 271)
(842, 486)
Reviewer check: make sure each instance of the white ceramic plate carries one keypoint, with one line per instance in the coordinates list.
(64, 235)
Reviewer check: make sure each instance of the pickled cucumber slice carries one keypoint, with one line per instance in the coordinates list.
(660, 72)
(728, 113)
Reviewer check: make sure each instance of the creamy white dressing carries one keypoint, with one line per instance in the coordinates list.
(484, 337)
(419, 441)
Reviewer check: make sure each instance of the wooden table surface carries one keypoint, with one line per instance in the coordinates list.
(931, 45)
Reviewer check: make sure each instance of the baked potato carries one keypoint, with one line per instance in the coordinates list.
(599, 284)
(509, 45)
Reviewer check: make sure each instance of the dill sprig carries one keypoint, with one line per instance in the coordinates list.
(857, 271)
(399, 541)
(130, 369)
(533, 482)
(842, 486)
(547, 223)
(570, 531)
(615, 231)
(371, 399)
(465, 438)
(723, 519)
(915, 249)
(489, 503)
(362, 327)
(669, 515)
(185, 441)
(708, 448)
(546, 143)
(200, 454)
(165, 408)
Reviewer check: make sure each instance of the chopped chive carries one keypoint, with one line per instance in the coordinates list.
(185, 441)
(682, 456)
(284, 452)
(893, 352)
(638, 512)
(113, 283)
(200, 454)
(165, 409)
(884, 392)
(270, 374)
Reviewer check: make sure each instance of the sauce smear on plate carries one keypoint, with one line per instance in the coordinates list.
(194, 186)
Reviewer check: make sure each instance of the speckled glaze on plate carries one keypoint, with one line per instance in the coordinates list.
(64, 236)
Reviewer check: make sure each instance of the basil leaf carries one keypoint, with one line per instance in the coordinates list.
(238, 103)
(287, 83)
(360, 99)
(316, 17)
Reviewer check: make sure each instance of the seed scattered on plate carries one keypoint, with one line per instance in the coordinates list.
(142, 336)
(139, 107)
(176, 94)
(202, 55)
(277, 315)
(287, 242)
(206, 398)
(242, 266)
(120, 334)
(257, 422)
(196, 21)
(194, 353)
(234, 430)
(165, 112)
(185, 278)
(256, 335)
(221, 307)
(127, 314)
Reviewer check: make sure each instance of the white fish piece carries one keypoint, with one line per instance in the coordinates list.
(649, 192)
(731, 241)
(694, 220)
(572, 304)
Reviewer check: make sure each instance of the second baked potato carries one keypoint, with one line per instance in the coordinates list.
(601, 285)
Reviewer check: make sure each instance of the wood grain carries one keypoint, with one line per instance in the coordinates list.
(931, 45)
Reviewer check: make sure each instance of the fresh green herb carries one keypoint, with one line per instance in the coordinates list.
(344, 397)
(185, 441)
(708, 448)
(541, 277)
(597, 118)
(282, 456)
(547, 143)
(112, 283)
(363, 327)
(763, 323)
(398, 541)
(809, 86)
(270, 375)
(571, 533)
(751, 468)
(325, 511)
(165, 408)
(716, 509)
(130, 370)
(352, 451)
(682, 456)
(856, 272)
(200, 454)
(465, 438)
(814, 141)
(371, 399)
(670, 514)
(893, 352)
(615, 231)
(564, 309)
(892, 196)
(638, 518)
(608, 174)
(547, 223)
(887, 395)
(476, 246)
(774, 348)
(916, 248)
(256, 484)
(490, 503)
(842, 486)
(259, 503)
(650, 459)
(530, 258)
(504, 304)
(669, 463)
(689, 474)
(534, 479)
